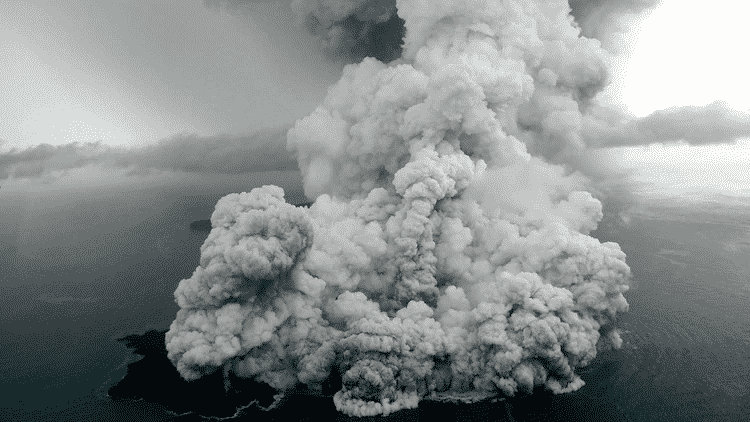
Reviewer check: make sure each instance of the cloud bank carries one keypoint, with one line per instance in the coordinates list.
(713, 123)
(185, 152)
(443, 256)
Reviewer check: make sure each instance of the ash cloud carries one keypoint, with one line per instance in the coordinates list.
(350, 30)
(444, 255)
(347, 31)
(610, 21)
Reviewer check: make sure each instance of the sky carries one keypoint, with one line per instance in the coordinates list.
(119, 72)
(689, 54)
(132, 72)
(204, 80)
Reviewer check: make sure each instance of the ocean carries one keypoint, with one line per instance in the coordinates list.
(686, 352)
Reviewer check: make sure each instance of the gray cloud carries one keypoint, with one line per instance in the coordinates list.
(713, 123)
(610, 21)
(184, 152)
(350, 30)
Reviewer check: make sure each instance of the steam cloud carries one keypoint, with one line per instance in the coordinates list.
(443, 258)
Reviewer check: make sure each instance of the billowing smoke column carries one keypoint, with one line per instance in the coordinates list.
(440, 259)
(350, 30)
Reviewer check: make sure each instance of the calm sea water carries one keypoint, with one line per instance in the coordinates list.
(687, 336)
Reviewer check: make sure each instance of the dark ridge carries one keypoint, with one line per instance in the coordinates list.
(155, 380)
(201, 225)
(150, 343)
(204, 226)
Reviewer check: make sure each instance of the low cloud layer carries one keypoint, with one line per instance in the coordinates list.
(189, 153)
(713, 123)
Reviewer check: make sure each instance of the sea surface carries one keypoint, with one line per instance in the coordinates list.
(686, 355)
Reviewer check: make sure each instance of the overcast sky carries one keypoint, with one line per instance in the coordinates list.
(131, 72)
(689, 54)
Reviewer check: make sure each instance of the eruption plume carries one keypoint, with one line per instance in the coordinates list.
(444, 257)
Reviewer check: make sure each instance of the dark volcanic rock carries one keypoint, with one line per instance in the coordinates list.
(201, 225)
(155, 379)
